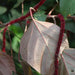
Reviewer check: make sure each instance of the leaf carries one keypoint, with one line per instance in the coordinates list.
(68, 58)
(70, 25)
(49, 3)
(6, 64)
(38, 45)
(57, 1)
(15, 14)
(26, 68)
(40, 15)
(15, 44)
(71, 40)
(67, 7)
(35, 72)
(16, 29)
(18, 3)
(2, 10)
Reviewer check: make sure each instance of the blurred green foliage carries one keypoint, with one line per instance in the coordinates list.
(67, 7)
(11, 9)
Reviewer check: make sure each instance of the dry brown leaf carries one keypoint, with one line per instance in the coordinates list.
(6, 64)
(68, 62)
(39, 43)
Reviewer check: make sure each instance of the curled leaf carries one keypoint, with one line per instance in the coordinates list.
(7, 66)
(39, 43)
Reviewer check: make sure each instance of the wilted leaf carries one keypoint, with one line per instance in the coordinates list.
(6, 64)
(2, 10)
(39, 43)
(68, 58)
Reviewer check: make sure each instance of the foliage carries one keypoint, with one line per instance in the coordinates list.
(67, 7)
(11, 9)
(2, 10)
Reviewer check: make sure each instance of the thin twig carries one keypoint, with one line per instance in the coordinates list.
(26, 27)
(10, 44)
(22, 8)
(11, 32)
(14, 34)
(4, 28)
(19, 56)
(52, 9)
(71, 17)
(53, 17)
(2, 24)
(54, 20)
(21, 25)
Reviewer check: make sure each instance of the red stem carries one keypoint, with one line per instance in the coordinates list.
(56, 62)
(20, 19)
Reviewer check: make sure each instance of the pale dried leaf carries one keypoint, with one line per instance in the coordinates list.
(39, 43)
(68, 58)
(6, 64)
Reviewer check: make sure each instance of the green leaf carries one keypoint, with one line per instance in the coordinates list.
(70, 25)
(16, 29)
(67, 7)
(57, 1)
(35, 72)
(18, 3)
(16, 39)
(40, 15)
(15, 44)
(15, 14)
(47, 4)
(2, 10)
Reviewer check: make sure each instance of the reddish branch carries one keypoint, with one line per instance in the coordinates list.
(19, 19)
(56, 62)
